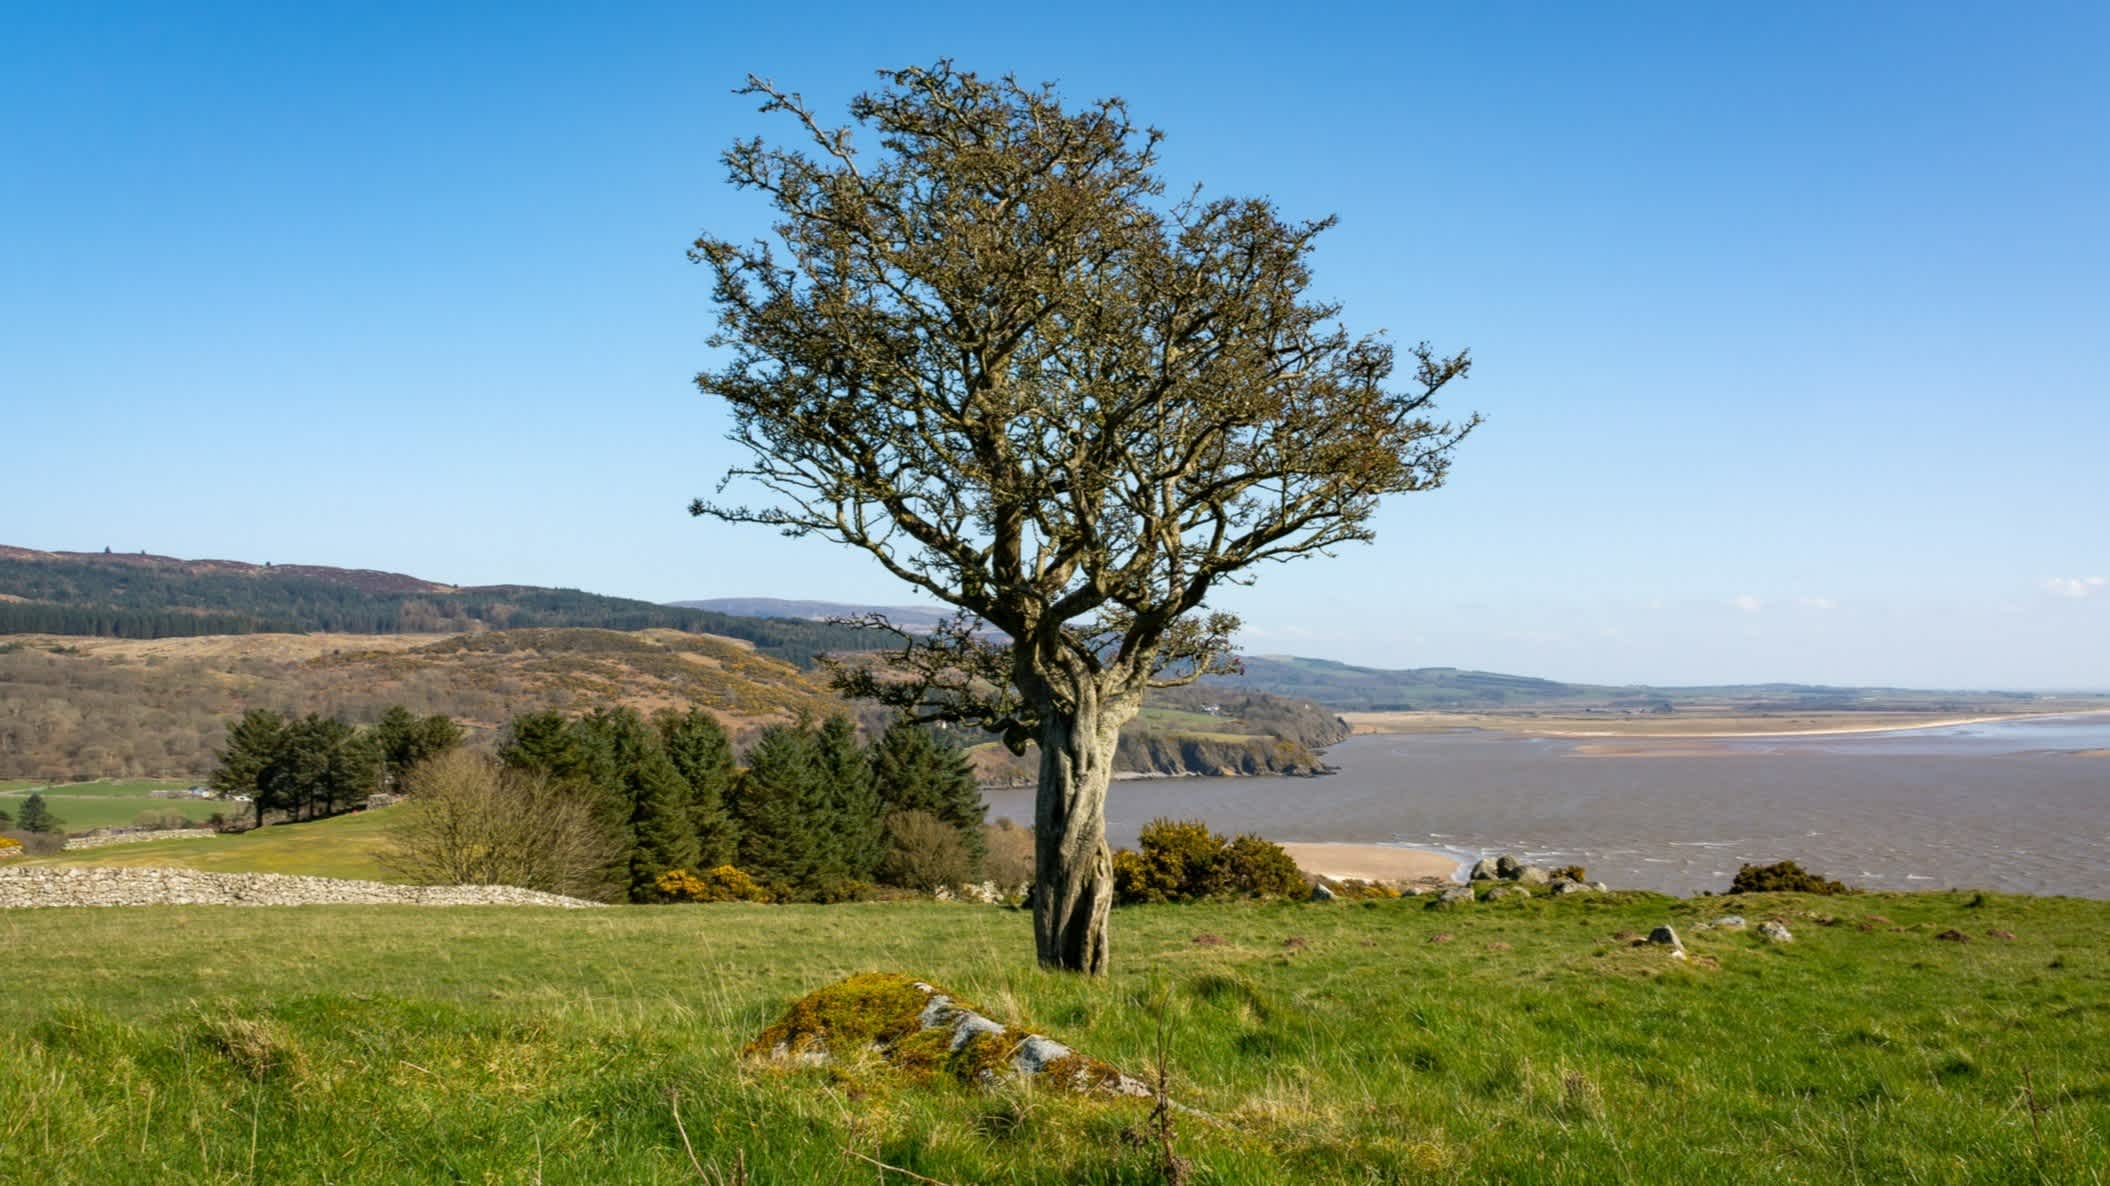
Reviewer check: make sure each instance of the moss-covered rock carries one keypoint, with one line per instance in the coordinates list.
(922, 1032)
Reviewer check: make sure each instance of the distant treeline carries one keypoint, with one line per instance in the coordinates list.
(112, 600)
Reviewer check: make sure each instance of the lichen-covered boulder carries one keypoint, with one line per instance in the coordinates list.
(1533, 875)
(1776, 931)
(1457, 895)
(1564, 886)
(1484, 869)
(1664, 936)
(1507, 867)
(923, 1032)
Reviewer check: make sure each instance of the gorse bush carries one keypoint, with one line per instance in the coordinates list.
(1783, 877)
(722, 884)
(1183, 861)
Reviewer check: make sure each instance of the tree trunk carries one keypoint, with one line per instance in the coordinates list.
(1073, 870)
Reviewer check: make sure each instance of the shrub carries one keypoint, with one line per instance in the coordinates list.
(722, 884)
(924, 852)
(1008, 854)
(1261, 868)
(1572, 873)
(470, 821)
(39, 844)
(1182, 861)
(1783, 877)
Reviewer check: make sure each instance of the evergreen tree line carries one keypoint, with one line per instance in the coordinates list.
(312, 767)
(813, 815)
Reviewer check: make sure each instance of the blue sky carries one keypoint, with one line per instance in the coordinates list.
(1791, 324)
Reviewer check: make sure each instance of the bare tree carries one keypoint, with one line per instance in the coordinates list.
(994, 357)
(472, 821)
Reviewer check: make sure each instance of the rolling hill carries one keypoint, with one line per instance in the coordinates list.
(143, 596)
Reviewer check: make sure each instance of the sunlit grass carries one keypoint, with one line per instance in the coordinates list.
(1333, 1043)
(346, 846)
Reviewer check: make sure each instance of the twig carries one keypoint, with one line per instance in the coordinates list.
(910, 1174)
(674, 1105)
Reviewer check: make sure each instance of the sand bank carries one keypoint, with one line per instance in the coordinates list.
(1372, 862)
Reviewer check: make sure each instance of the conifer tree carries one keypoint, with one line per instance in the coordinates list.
(253, 744)
(700, 750)
(775, 804)
(405, 739)
(37, 817)
(850, 815)
(918, 771)
(659, 820)
(546, 742)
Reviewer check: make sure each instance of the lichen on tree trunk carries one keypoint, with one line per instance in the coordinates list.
(1073, 878)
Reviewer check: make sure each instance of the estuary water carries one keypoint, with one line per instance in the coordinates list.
(2019, 805)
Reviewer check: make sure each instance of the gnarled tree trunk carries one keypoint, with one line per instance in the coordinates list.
(1073, 870)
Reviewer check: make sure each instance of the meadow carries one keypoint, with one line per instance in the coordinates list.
(1524, 1041)
(343, 846)
(108, 803)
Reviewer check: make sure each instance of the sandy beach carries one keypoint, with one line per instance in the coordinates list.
(1372, 862)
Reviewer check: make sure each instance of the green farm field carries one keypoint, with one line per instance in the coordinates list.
(109, 803)
(1513, 1042)
(344, 846)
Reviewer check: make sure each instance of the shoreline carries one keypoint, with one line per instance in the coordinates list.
(1353, 861)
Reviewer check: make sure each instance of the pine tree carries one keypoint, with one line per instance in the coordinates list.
(703, 754)
(918, 771)
(548, 743)
(253, 745)
(659, 820)
(37, 817)
(775, 804)
(405, 739)
(850, 814)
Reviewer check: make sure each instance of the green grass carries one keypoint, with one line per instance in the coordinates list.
(1335, 1044)
(109, 803)
(346, 846)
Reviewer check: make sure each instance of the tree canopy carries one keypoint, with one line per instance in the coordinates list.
(988, 351)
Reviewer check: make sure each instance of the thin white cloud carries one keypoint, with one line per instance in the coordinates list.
(1747, 603)
(2074, 586)
(1817, 603)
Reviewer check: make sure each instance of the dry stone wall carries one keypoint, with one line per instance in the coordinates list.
(37, 886)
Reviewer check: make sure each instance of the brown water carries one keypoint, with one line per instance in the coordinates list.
(2011, 806)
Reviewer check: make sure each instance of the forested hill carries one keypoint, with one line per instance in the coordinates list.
(136, 595)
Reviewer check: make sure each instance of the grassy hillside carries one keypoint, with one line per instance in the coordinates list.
(345, 846)
(94, 708)
(1518, 1043)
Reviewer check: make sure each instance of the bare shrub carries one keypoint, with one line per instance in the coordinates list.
(924, 852)
(1008, 853)
(471, 821)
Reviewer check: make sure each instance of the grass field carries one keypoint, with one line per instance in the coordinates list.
(344, 846)
(110, 803)
(1517, 1042)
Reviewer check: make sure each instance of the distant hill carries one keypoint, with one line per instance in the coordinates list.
(910, 616)
(137, 595)
(1347, 688)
